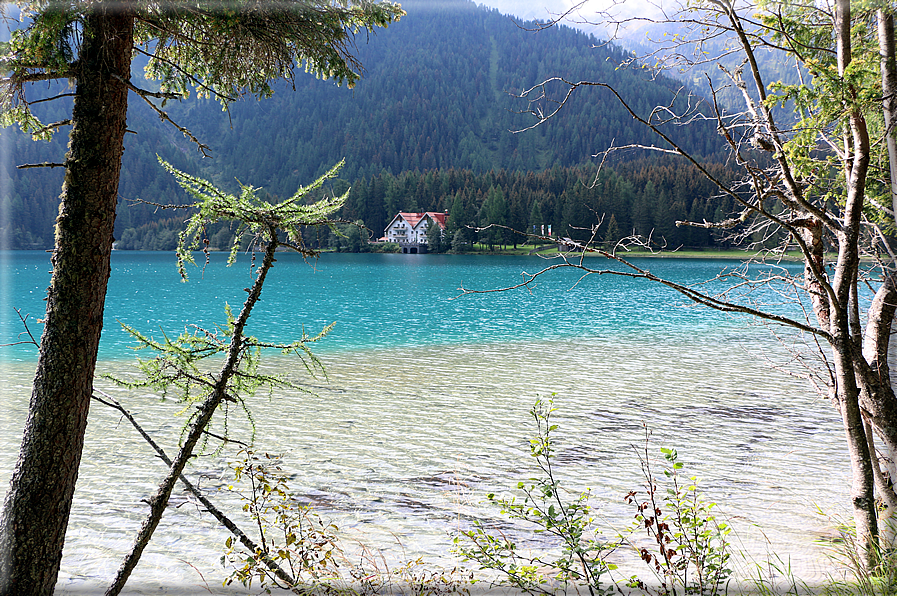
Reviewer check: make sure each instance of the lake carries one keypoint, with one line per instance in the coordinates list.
(424, 408)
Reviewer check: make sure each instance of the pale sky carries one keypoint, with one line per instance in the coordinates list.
(543, 9)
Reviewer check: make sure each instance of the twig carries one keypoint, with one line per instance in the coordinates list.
(52, 126)
(210, 507)
(31, 339)
(225, 439)
(145, 93)
(51, 98)
(46, 164)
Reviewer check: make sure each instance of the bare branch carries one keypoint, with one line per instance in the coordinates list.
(31, 339)
(20, 78)
(715, 302)
(144, 93)
(55, 97)
(52, 126)
(45, 164)
(110, 401)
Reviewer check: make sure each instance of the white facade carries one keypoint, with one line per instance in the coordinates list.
(410, 229)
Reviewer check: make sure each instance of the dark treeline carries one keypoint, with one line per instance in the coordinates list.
(642, 197)
(437, 95)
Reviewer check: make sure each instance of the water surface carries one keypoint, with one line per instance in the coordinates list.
(424, 406)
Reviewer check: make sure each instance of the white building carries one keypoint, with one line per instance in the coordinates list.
(409, 230)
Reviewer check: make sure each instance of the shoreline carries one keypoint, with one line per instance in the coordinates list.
(733, 254)
(722, 254)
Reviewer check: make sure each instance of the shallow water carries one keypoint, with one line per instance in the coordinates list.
(424, 411)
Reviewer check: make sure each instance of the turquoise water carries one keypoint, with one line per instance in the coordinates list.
(377, 301)
(424, 407)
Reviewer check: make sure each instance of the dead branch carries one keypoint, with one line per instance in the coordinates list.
(46, 164)
(52, 126)
(717, 303)
(30, 340)
(110, 401)
(146, 95)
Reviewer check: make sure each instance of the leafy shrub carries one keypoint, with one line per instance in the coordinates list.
(298, 551)
(686, 548)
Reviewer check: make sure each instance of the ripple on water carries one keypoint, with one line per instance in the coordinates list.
(400, 446)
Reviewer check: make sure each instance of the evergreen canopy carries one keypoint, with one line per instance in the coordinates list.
(222, 48)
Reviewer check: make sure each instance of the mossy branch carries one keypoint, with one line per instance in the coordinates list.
(254, 215)
(178, 363)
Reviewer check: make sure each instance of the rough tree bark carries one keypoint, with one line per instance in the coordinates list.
(36, 510)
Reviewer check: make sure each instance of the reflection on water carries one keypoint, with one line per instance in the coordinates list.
(399, 447)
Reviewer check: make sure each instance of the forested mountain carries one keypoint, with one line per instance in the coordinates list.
(437, 94)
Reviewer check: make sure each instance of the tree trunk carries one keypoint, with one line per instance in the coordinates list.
(889, 93)
(862, 486)
(36, 510)
(848, 351)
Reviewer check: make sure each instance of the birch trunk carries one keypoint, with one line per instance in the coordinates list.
(846, 354)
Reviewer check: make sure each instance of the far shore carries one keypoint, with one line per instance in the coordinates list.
(683, 253)
(553, 252)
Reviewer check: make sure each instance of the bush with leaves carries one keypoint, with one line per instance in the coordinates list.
(692, 551)
(568, 523)
(309, 550)
(687, 548)
(290, 533)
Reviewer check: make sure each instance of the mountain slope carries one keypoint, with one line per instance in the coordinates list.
(437, 93)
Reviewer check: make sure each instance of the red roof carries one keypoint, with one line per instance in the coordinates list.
(438, 216)
(414, 218)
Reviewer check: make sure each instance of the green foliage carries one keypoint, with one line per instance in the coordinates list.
(240, 47)
(494, 214)
(385, 247)
(47, 41)
(691, 548)
(227, 50)
(641, 196)
(436, 239)
(180, 366)
(581, 558)
(858, 579)
(775, 577)
(309, 549)
(612, 234)
(413, 578)
(460, 243)
(427, 110)
(687, 553)
(824, 100)
(291, 535)
(254, 216)
(27, 121)
(351, 237)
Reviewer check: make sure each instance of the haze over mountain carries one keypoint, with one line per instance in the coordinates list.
(438, 93)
